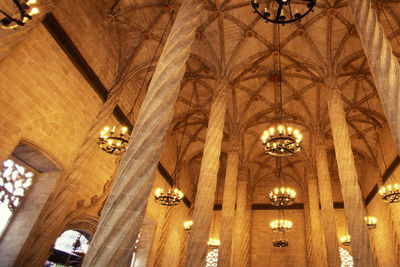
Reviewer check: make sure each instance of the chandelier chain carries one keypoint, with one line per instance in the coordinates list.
(183, 135)
(148, 69)
(280, 75)
(375, 130)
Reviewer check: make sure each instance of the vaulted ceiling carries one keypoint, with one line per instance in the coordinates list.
(234, 41)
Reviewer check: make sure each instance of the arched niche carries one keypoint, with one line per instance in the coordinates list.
(47, 170)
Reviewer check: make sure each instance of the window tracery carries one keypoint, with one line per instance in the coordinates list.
(15, 180)
(346, 258)
(212, 258)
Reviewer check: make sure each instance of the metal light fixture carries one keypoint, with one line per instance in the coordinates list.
(345, 240)
(390, 194)
(281, 140)
(281, 225)
(26, 10)
(171, 198)
(280, 242)
(113, 143)
(371, 222)
(283, 11)
(281, 196)
(213, 243)
(188, 225)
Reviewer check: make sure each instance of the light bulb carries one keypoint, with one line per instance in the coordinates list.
(34, 11)
(106, 129)
(124, 130)
(31, 2)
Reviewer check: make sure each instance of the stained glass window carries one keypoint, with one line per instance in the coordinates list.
(15, 180)
(212, 258)
(346, 258)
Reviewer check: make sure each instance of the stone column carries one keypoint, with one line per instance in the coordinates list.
(383, 64)
(241, 242)
(124, 210)
(327, 211)
(204, 203)
(316, 245)
(352, 198)
(228, 206)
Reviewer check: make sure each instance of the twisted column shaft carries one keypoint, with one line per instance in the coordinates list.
(162, 242)
(327, 211)
(383, 64)
(352, 198)
(316, 248)
(124, 210)
(228, 207)
(204, 203)
(241, 243)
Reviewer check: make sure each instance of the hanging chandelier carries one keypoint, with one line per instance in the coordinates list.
(280, 241)
(345, 240)
(371, 222)
(282, 140)
(188, 225)
(282, 197)
(283, 11)
(112, 142)
(213, 243)
(281, 225)
(390, 194)
(26, 10)
(168, 199)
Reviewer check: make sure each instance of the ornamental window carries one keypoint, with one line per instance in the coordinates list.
(15, 182)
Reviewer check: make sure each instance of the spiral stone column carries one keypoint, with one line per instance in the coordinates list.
(124, 210)
(352, 198)
(327, 211)
(383, 64)
(241, 243)
(228, 206)
(204, 203)
(317, 246)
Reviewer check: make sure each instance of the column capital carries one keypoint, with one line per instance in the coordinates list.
(243, 175)
(234, 144)
(331, 81)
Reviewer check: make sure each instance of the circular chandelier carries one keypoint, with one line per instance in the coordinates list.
(371, 222)
(282, 197)
(26, 11)
(390, 194)
(113, 143)
(188, 225)
(169, 199)
(281, 225)
(213, 243)
(345, 240)
(281, 142)
(283, 11)
(280, 242)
